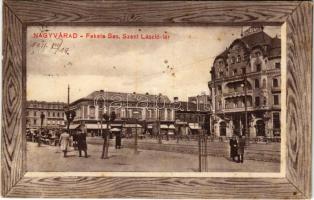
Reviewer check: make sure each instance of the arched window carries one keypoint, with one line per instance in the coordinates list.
(258, 67)
(275, 82)
(238, 58)
(256, 83)
(233, 60)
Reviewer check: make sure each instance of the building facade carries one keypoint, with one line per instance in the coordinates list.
(53, 114)
(246, 86)
(137, 107)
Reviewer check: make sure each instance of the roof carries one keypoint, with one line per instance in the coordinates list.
(275, 50)
(123, 97)
(190, 106)
(259, 38)
(256, 39)
(45, 102)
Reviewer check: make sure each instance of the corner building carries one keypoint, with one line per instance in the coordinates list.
(249, 69)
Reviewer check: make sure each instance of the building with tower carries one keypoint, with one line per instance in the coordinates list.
(245, 86)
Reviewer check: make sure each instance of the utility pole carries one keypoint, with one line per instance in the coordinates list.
(159, 132)
(68, 108)
(246, 132)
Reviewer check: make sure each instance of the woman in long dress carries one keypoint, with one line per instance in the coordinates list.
(64, 141)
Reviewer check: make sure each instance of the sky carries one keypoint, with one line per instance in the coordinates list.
(177, 66)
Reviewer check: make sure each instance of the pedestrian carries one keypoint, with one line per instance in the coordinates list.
(74, 134)
(39, 138)
(233, 148)
(241, 145)
(185, 131)
(64, 141)
(156, 129)
(118, 138)
(81, 143)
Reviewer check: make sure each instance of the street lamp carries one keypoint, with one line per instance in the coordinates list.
(159, 133)
(42, 117)
(136, 136)
(244, 86)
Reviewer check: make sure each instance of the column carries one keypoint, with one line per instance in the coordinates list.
(143, 113)
(165, 113)
(88, 112)
(172, 115)
(83, 111)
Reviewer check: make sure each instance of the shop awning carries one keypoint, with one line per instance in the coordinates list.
(181, 123)
(172, 126)
(132, 126)
(194, 126)
(115, 130)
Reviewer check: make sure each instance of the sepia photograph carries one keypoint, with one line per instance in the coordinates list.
(157, 99)
(153, 99)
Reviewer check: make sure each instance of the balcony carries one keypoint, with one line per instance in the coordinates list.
(237, 93)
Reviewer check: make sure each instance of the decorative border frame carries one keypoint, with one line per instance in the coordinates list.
(297, 17)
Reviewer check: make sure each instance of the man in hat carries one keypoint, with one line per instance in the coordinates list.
(81, 141)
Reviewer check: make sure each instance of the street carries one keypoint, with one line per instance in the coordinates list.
(50, 159)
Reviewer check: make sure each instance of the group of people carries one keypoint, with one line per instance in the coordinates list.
(45, 136)
(237, 145)
(79, 142)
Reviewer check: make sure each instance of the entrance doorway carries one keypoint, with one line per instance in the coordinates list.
(260, 128)
(222, 128)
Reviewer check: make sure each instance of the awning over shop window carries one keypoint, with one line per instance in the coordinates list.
(115, 130)
(132, 126)
(194, 126)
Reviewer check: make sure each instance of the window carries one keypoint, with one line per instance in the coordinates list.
(53, 114)
(27, 113)
(48, 114)
(256, 83)
(238, 58)
(35, 113)
(232, 60)
(276, 100)
(264, 101)
(235, 72)
(257, 103)
(35, 122)
(221, 74)
(258, 67)
(243, 70)
(275, 82)
(219, 89)
(92, 112)
(277, 65)
(276, 120)
(58, 114)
